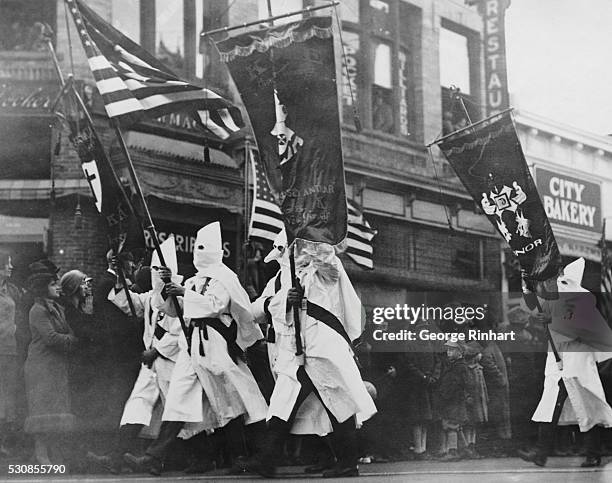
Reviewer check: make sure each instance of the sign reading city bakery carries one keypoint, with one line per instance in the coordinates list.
(570, 201)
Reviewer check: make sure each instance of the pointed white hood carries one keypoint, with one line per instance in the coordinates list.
(208, 248)
(279, 250)
(208, 260)
(168, 249)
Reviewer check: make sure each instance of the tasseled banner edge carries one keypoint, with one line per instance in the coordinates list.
(263, 45)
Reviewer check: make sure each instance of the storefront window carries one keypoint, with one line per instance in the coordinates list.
(17, 23)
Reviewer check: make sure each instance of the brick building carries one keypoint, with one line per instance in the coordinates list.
(398, 61)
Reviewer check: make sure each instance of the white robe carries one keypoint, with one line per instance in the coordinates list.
(311, 417)
(586, 403)
(151, 386)
(328, 360)
(209, 391)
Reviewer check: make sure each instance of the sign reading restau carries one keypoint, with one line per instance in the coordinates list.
(570, 201)
(493, 13)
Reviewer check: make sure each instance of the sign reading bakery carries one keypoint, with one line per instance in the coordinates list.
(570, 201)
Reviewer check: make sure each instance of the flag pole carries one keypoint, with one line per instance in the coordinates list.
(296, 309)
(247, 166)
(299, 351)
(149, 221)
(66, 87)
(268, 20)
(477, 123)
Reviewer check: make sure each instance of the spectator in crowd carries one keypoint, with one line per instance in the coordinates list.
(46, 370)
(477, 407)
(452, 400)
(78, 307)
(421, 373)
(121, 342)
(496, 378)
(9, 297)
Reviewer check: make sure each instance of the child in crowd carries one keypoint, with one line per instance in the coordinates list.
(452, 400)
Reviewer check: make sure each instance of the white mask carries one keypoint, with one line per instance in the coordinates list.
(208, 248)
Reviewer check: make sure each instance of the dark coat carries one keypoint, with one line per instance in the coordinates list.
(418, 374)
(46, 370)
(496, 378)
(452, 396)
(477, 406)
(114, 341)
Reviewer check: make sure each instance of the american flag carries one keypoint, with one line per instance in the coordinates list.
(605, 297)
(133, 83)
(266, 216)
(267, 221)
(359, 238)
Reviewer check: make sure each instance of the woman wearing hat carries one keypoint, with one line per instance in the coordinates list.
(46, 368)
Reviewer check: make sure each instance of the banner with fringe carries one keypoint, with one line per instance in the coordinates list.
(286, 76)
(489, 161)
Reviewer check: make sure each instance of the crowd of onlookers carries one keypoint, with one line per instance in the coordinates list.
(69, 359)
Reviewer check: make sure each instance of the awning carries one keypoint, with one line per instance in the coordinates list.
(28, 189)
(574, 248)
(176, 148)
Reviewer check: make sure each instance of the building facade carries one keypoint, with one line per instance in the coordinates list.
(396, 61)
(573, 173)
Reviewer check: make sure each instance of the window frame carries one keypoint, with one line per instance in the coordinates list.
(368, 39)
(472, 101)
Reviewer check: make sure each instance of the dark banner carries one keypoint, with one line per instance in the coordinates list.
(124, 229)
(286, 77)
(490, 163)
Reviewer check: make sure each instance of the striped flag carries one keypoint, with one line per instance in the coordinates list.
(359, 238)
(605, 297)
(267, 220)
(266, 216)
(134, 84)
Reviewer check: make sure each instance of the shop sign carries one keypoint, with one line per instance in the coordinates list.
(570, 201)
(185, 237)
(27, 96)
(496, 78)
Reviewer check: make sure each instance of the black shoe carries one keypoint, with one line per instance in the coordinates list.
(591, 462)
(341, 471)
(532, 456)
(106, 462)
(320, 467)
(144, 463)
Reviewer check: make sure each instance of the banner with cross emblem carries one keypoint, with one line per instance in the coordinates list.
(123, 228)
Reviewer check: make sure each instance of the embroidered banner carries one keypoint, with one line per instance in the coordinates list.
(490, 163)
(287, 79)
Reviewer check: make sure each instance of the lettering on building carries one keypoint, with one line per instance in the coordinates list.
(570, 201)
(496, 79)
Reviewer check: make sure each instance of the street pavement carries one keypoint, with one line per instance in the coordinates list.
(501, 470)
